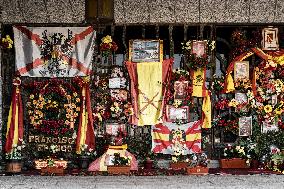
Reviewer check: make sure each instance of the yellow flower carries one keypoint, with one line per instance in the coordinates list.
(267, 108)
(278, 111)
(233, 103)
(106, 39)
(177, 103)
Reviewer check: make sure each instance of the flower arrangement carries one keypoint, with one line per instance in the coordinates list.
(218, 84)
(16, 152)
(242, 84)
(107, 46)
(178, 146)
(234, 151)
(87, 152)
(222, 104)
(6, 42)
(121, 160)
(227, 123)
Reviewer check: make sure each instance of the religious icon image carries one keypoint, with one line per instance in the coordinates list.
(270, 39)
(198, 48)
(180, 89)
(174, 114)
(241, 70)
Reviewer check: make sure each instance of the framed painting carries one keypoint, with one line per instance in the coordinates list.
(241, 70)
(145, 50)
(173, 113)
(198, 48)
(270, 39)
(245, 126)
(113, 128)
(180, 88)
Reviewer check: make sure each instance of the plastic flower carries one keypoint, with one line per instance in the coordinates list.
(267, 109)
(106, 39)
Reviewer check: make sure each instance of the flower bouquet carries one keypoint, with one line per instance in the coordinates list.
(198, 165)
(235, 157)
(107, 46)
(6, 42)
(14, 157)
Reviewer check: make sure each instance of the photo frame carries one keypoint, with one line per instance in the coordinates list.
(112, 128)
(241, 70)
(145, 50)
(270, 39)
(180, 89)
(117, 71)
(117, 83)
(245, 126)
(199, 48)
(119, 94)
(266, 126)
(173, 113)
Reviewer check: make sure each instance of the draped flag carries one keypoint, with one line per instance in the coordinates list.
(199, 90)
(54, 51)
(148, 87)
(165, 137)
(86, 134)
(14, 135)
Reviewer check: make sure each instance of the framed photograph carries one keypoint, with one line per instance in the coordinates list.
(241, 70)
(273, 100)
(245, 126)
(180, 89)
(198, 48)
(119, 94)
(113, 128)
(270, 39)
(145, 50)
(173, 114)
(268, 126)
(117, 83)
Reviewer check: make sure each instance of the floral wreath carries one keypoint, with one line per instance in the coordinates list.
(53, 107)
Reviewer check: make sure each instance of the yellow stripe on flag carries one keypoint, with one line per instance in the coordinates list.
(193, 137)
(16, 129)
(84, 123)
(150, 92)
(160, 136)
(9, 120)
(230, 84)
(206, 109)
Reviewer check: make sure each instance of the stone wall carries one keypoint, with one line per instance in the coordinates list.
(42, 11)
(198, 11)
(146, 11)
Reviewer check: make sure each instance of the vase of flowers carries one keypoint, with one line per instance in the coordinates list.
(121, 165)
(235, 157)
(198, 164)
(14, 158)
(87, 154)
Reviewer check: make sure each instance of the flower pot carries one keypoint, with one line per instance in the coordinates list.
(148, 164)
(84, 162)
(254, 164)
(235, 163)
(178, 165)
(52, 171)
(198, 170)
(14, 166)
(118, 169)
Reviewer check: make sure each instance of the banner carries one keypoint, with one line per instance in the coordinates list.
(15, 123)
(148, 87)
(199, 90)
(86, 133)
(166, 137)
(54, 51)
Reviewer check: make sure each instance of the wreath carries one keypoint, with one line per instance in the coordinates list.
(53, 107)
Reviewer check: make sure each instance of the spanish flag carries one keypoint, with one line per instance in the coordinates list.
(199, 90)
(15, 127)
(165, 135)
(86, 134)
(148, 87)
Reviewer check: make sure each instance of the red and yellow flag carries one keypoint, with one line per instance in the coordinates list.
(86, 134)
(199, 90)
(15, 127)
(148, 87)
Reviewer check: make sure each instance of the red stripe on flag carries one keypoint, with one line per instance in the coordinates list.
(196, 128)
(36, 63)
(77, 65)
(90, 138)
(30, 35)
(82, 35)
(160, 128)
(160, 147)
(194, 145)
